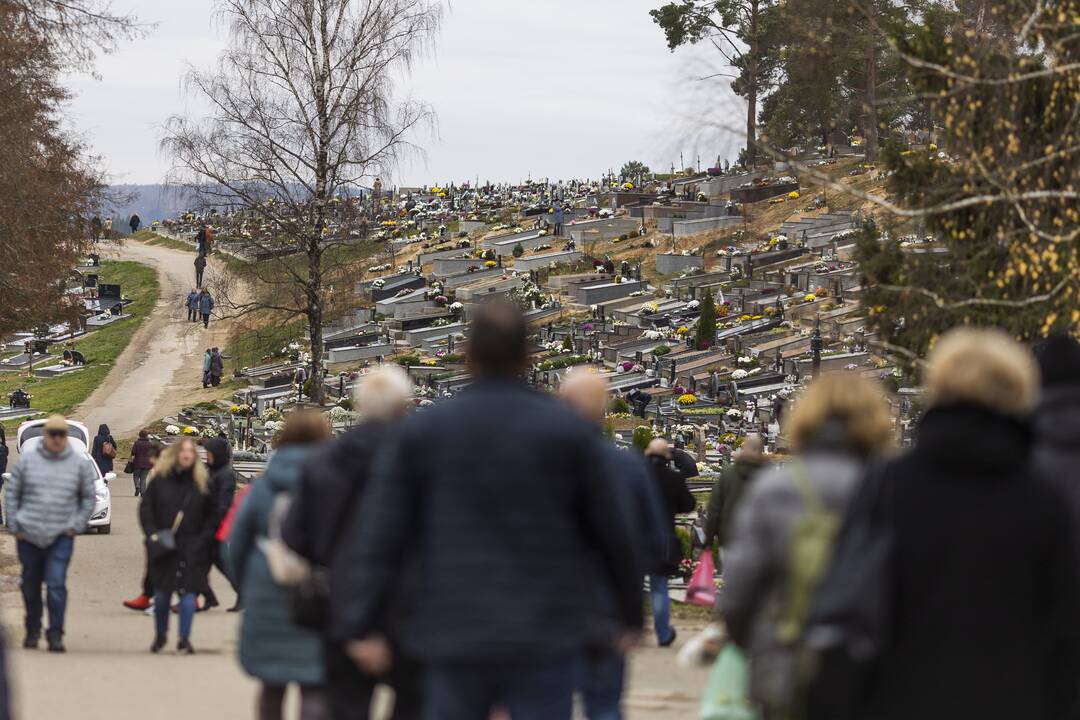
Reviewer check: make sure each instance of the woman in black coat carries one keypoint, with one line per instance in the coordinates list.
(97, 451)
(3, 451)
(985, 585)
(178, 499)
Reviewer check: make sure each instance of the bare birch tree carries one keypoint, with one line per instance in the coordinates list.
(303, 113)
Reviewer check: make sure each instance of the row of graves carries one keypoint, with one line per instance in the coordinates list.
(52, 351)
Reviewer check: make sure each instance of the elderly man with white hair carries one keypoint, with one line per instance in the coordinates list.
(321, 518)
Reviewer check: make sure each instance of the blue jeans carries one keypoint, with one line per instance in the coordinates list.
(49, 566)
(661, 608)
(602, 678)
(162, 610)
(541, 690)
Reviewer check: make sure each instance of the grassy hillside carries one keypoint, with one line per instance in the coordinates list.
(101, 347)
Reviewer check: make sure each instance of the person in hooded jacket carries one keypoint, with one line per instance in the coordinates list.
(675, 499)
(206, 359)
(206, 306)
(192, 305)
(98, 449)
(217, 366)
(839, 423)
(323, 513)
(178, 499)
(272, 648)
(222, 492)
(142, 460)
(1057, 418)
(985, 585)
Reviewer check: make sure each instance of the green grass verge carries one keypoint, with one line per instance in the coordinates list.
(101, 347)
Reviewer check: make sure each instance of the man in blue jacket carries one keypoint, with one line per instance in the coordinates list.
(502, 498)
(192, 305)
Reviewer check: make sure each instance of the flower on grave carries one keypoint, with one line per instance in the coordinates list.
(172, 430)
(793, 195)
(490, 264)
(441, 300)
(693, 305)
(240, 410)
(627, 366)
(745, 318)
(734, 413)
(456, 307)
(687, 399)
(809, 297)
(744, 360)
(273, 414)
(339, 414)
(739, 375)
(587, 327)
(682, 330)
(378, 284)
(189, 430)
(678, 389)
(650, 307)
(274, 426)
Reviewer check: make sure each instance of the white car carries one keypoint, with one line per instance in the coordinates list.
(79, 437)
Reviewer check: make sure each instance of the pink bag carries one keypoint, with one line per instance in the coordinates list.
(702, 588)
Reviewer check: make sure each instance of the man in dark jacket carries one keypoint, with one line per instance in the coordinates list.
(200, 268)
(1057, 419)
(134, 222)
(501, 496)
(222, 491)
(325, 510)
(192, 305)
(729, 487)
(676, 498)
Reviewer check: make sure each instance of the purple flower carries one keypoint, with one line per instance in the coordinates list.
(628, 366)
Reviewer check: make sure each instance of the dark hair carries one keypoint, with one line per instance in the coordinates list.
(143, 434)
(498, 341)
(303, 427)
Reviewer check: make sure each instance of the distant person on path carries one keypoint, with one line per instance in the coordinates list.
(200, 241)
(49, 501)
(178, 502)
(272, 648)
(207, 358)
(835, 428)
(3, 451)
(200, 268)
(192, 305)
(729, 488)
(222, 492)
(559, 218)
(145, 601)
(134, 223)
(206, 306)
(546, 541)
(325, 511)
(603, 667)
(104, 449)
(142, 459)
(217, 366)
(675, 499)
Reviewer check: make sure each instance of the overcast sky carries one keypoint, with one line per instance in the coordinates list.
(549, 88)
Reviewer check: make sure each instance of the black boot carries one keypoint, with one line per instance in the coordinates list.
(184, 647)
(55, 638)
(159, 644)
(32, 639)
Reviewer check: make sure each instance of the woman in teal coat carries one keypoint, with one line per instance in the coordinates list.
(272, 648)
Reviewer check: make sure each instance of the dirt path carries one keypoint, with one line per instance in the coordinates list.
(160, 370)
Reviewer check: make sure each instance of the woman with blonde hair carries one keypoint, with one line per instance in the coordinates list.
(839, 423)
(985, 585)
(178, 518)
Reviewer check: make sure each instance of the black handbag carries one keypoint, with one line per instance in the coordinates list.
(309, 602)
(162, 543)
(129, 467)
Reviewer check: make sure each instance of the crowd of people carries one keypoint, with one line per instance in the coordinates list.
(488, 554)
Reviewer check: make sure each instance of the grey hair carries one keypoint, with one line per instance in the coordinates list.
(383, 393)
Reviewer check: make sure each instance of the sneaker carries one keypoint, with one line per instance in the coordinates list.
(159, 644)
(184, 647)
(32, 640)
(55, 641)
(142, 602)
(236, 608)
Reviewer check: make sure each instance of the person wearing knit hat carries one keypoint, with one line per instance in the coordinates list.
(1057, 418)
